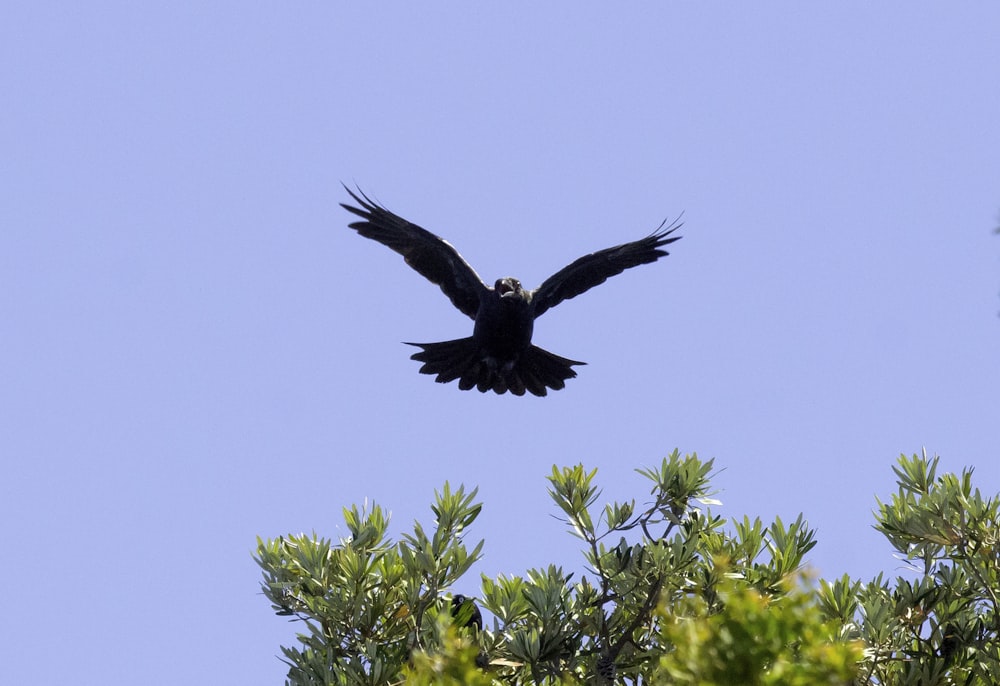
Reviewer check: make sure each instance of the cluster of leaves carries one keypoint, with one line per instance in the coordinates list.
(756, 638)
(662, 555)
(368, 604)
(941, 625)
(672, 594)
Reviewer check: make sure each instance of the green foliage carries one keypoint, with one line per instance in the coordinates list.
(671, 593)
(942, 625)
(368, 604)
(755, 639)
(455, 662)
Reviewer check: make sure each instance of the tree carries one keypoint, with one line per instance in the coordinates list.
(942, 626)
(368, 604)
(672, 594)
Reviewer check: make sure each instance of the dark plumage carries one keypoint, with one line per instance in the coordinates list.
(460, 605)
(499, 355)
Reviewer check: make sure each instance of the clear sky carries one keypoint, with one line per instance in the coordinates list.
(197, 351)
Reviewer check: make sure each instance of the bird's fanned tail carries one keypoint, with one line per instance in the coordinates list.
(535, 371)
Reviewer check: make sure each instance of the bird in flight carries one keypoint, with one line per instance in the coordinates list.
(499, 355)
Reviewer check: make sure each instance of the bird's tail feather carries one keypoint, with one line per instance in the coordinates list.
(448, 360)
(535, 371)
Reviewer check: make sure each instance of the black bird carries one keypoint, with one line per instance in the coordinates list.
(475, 617)
(499, 355)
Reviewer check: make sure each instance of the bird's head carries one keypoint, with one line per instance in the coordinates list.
(508, 287)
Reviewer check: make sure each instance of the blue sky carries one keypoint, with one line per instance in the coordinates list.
(197, 351)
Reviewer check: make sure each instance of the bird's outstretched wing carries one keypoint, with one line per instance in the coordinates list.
(432, 256)
(596, 268)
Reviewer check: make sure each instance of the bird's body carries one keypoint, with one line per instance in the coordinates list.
(499, 356)
(462, 607)
(504, 321)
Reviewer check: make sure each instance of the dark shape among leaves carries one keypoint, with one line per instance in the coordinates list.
(466, 612)
(499, 355)
(463, 608)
